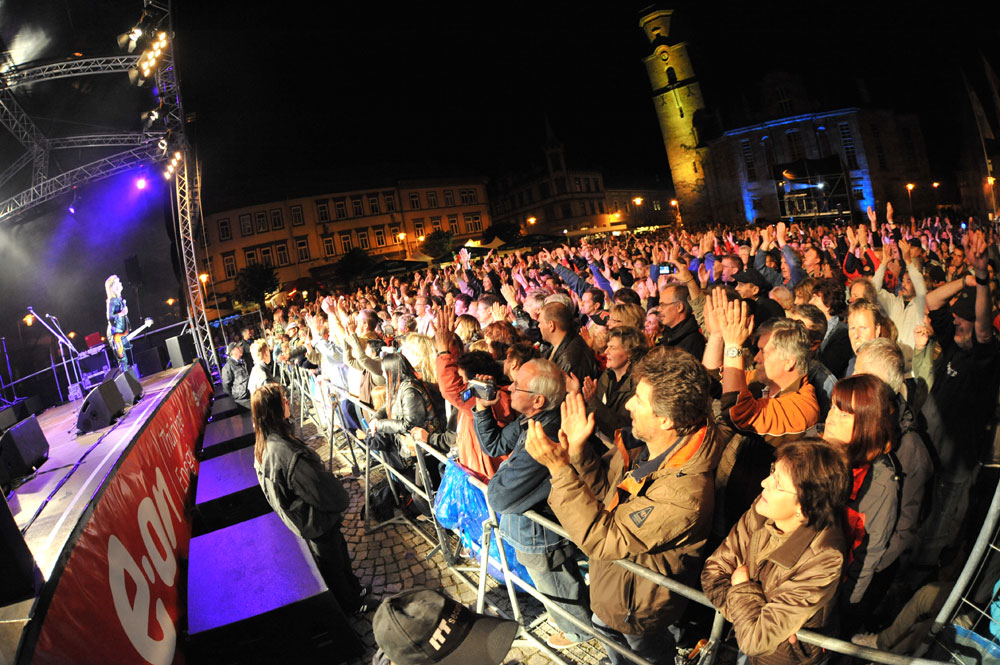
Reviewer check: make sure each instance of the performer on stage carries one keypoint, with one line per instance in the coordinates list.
(118, 325)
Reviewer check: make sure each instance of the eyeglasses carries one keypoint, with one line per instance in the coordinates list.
(774, 482)
(514, 387)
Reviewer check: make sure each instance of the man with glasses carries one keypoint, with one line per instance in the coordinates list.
(521, 484)
(680, 328)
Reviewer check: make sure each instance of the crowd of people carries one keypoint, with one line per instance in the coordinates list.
(788, 417)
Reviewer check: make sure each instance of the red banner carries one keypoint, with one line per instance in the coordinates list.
(118, 598)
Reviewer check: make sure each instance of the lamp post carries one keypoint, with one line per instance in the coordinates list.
(909, 195)
(675, 204)
(401, 237)
(991, 181)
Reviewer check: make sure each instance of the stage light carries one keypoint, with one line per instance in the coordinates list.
(140, 183)
(821, 185)
(29, 319)
(72, 335)
(171, 301)
(166, 175)
(162, 144)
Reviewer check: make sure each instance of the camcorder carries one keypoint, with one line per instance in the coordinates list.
(481, 389)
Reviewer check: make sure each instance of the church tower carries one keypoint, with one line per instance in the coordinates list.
(677, 98)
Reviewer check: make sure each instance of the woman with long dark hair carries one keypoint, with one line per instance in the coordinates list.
(863, 419)
(310, 500)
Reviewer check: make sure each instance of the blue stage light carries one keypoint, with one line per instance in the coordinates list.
(140, 183)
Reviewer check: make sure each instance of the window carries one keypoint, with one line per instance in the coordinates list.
(209, 264)
(544, 189)
(380, 237)
(577, 185)
(594, 182)
(432, 199)
(467, 196)
(345, 241)
(847, 140)
(297, 218)
(277, 222)
(225, 232)
(566, 210)
(560, 185)
(329, 245)
(281, 253)
(748, 161)
(229, 265)
(436, 223)
(261, 219)
(394, 230)
(879, 149)
(453, 224)
(418, 227)
(473, 224)
(323, 210)
(600, 204)
(357, 207)
(340, 209)
(265, 256)
(656, 204)
(373, 205)
(390, 202)
(858, 193)
(363, 239)
(246, 225)
(795, 148)
(250, 256)
(449, 197)
(302, 249)
(414, 201)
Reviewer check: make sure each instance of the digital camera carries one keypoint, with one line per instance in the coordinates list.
(481, 389)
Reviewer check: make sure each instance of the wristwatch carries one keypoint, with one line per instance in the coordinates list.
(734, 351)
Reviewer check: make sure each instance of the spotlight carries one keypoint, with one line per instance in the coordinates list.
(162, 144)
(72, 209)
(166, 175)
(127, 40)
(140, 182)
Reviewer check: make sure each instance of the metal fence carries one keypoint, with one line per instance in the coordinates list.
(321, 402)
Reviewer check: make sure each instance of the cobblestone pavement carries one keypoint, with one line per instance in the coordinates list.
(396, 557)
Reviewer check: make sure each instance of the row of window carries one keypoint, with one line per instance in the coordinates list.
(260, 222)
(269, 255)
(797, 151)
(473, 224)
(543, 190)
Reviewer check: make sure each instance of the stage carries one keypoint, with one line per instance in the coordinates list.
(106, 521)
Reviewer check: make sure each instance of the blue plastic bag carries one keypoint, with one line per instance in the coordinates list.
(461, 507)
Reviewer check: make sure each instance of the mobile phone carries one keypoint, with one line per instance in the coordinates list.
(667, 269)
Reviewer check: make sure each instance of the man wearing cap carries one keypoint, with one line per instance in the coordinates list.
(752, 286)
(424, 627)
(961, 401)
(235, 377)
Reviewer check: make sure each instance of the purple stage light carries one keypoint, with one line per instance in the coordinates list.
(72, 210)
(141, 183)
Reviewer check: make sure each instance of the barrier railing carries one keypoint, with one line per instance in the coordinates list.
(302, 383)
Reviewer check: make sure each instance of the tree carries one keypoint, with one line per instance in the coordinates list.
(353, 263)
(254, 282)
(438, 243)
(506, 231)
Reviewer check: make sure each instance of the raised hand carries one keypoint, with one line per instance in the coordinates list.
(444, 329)
(551, 454)
(572, 383)
(888, 213)
(499, 312)
(974, 243)
(577, 424)
(781, 231)
(872, 217)
(589, 389)
(736, 324)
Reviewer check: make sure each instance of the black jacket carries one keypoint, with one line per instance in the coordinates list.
(685, 335)
(412, 406)
(235, 378)
(573, 355)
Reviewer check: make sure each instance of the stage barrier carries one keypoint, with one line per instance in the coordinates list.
(315, 396)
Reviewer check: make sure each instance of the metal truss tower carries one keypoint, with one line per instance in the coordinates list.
(143, 148)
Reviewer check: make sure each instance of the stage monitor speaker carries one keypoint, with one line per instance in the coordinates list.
(148, 361)
(23, 448)
(181, 350)
(18, 580)
(129, 387)
(11, 415)
(101, 407)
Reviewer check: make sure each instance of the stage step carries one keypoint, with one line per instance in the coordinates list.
(224, 406)
(226, 435)
(255, 595)
(228, 492)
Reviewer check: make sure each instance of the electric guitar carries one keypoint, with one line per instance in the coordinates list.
(122, 341)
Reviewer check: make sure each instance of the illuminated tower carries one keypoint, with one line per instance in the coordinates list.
(677, 98)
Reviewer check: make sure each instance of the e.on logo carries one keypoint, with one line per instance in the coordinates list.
(156, 514)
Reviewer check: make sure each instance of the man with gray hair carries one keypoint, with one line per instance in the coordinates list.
(522, 484)
(911, 457)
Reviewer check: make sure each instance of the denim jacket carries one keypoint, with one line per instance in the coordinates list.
(521, 483)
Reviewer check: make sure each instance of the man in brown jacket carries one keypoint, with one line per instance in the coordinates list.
(648, 500)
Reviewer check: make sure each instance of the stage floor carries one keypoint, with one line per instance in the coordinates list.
(48, 507)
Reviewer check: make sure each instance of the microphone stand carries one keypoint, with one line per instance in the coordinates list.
(74, 353)
(10, 377)
(62, 341)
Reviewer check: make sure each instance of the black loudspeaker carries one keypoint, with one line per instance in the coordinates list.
(10, 415)
(18, 580)
(132, 271)
(101, 407)
(148, 361)
(23, 448)
(181, 350)
(129, 387)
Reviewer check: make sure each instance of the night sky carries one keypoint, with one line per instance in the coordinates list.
(294, 97)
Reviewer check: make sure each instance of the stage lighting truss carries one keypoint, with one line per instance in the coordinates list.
(149, 60)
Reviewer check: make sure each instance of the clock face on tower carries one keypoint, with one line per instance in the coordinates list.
(665, 55)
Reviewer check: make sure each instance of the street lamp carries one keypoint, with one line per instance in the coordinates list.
(675, 204)
(532, 220)
(637, 200)
(909, 195)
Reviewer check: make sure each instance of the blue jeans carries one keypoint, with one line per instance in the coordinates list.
(656, 646)
(557, 575)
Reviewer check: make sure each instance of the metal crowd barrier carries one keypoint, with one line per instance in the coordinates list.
(304, 386)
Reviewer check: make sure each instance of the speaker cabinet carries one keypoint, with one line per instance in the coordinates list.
(148, 361)
(18, 580)
(101, 407)
(129, 387)
(181, 350)
(23, 448)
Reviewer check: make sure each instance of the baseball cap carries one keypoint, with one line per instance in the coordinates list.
(232, 345)
(425, 627)
(751, 277)
(965, 305)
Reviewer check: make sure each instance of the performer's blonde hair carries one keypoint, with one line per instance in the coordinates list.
(108, 283)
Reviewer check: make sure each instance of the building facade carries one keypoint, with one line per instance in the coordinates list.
(296, 236)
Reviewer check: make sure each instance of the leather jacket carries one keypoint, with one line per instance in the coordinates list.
(411, 407)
